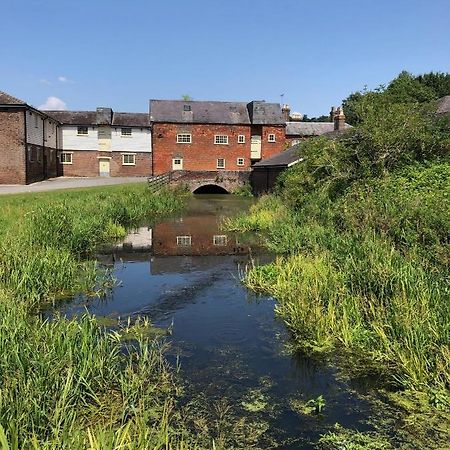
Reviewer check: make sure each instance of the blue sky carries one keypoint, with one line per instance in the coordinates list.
(122, 53)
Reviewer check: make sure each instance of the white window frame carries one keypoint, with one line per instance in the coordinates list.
(217, 163)
(271, 138)
(241, 139)
(238, 163)
(82, 134)
(126, 132)
(221, 137)
(220, 240)
(128, 163)
(177, 159)
(184, 138)
(184, 241)
(66, 154)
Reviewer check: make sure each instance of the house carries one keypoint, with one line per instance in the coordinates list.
(104, 142)
(297, 132)
(28, 142)
(214, 136)
(265, 172)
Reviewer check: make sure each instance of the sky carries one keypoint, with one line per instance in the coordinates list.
(80, 54)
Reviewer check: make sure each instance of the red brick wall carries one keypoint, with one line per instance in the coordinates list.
(12, 148)
(202, 154)
(269, 149)
(85, 163)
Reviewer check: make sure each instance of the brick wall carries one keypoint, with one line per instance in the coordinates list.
(42, 163)
(202, 153)
(85, 163)
(12, 148)
(269, 149)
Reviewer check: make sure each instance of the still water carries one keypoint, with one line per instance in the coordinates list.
(184, 274)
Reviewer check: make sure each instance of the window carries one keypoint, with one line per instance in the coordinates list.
(240, 161)
(241, 139)
(221, 139)
(271, 138)
(184, 138)
(36, 121)
(177, 163)
(126, 131)
(65, 158)
(82, 131)
(221, 163)
(30, 154)
(128, 159)
(186, 107)
(220, 240)
(39, 155)
(184, 241)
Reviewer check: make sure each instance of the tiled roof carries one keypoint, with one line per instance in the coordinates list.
(131, 119)
(6, 99)
(180, 111)
(283, 159)
(310, 128)
(90, 118)
(444, 105)
(262, 113)
(74, 117)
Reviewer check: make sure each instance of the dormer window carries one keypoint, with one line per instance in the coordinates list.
(187, 108)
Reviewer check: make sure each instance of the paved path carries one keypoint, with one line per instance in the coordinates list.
(68, 183)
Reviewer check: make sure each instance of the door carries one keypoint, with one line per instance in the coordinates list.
(255, 147)
(177, 163)
(104, 167)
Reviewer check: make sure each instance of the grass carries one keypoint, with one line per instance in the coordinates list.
(71, 384)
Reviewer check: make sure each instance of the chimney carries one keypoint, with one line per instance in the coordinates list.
(286, 110)
(104, 116)
(339, 119)
(332, 113)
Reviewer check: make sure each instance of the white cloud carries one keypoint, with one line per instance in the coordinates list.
(54, 103)
(63, 79)
(45, 81)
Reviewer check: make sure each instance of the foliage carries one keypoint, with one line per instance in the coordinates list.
(323, 118)
(244, 191)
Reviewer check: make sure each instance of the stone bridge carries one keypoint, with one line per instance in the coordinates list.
(220, 181)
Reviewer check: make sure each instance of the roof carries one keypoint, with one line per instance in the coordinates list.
(174, 111)
(284, 159)
(7, 99)
(444, 105)
(310, 128)
(233, 113)
(90, 118)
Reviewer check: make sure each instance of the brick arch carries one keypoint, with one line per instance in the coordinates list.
(209, 188)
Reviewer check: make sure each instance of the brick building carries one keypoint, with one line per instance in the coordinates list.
(28, 142)
(104, 143)
(214, 136)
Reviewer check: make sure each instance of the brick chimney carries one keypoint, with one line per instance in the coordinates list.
(286, 110)
(339, 119)
(332, 113)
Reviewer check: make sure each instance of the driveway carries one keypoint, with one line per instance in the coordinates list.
(68, 183)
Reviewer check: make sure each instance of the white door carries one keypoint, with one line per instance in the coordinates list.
(256, 147)
(103, 167)
(177, 163)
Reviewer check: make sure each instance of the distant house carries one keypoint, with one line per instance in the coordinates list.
(104, 143)
(265, 173)
(443, 106)
(297, 132)
(214, 136)
(28, 142)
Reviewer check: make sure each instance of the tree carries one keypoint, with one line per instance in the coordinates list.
(186, 98)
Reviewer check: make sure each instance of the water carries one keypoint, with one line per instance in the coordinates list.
(183, 274)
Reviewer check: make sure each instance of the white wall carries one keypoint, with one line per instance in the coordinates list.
(71, 141)
(139, 141)
(35, 130)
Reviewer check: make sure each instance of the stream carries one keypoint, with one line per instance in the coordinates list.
(183, 274)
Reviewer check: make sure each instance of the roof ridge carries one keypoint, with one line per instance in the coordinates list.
(14, 99)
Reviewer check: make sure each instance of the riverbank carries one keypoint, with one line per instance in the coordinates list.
(70, 383)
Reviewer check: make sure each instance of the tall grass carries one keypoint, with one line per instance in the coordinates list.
(65, 383)
(367, 273)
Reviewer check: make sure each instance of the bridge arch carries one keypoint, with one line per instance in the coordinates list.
(210, 189)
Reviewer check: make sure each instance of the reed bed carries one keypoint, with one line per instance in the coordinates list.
(71, 384)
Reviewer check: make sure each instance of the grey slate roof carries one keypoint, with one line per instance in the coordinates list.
(6, 99)
(444, 105)
(233, 113)
(283, 159)
(310, 128)
(90, 118)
